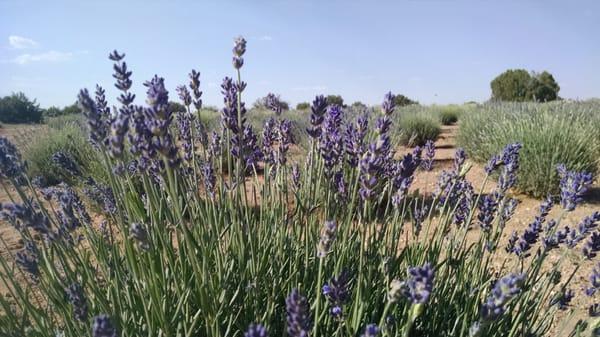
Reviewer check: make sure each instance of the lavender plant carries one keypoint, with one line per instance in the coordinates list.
(200, 238)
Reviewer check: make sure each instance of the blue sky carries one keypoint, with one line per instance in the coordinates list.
(444, 51)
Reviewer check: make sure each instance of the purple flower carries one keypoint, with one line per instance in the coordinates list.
(11, 164)
(594, 310)
(328, 233)
(76, 297)
(388, 104)
(594, 281)
(505, 289)
(402, 175)
(273, 103)
(371, 331)
(592, 246)
(97, 114)
(331, 142)
(573, 185)
(427, 162)
(298, 315)
(337, 292)
(195, 86)
(340, 186)
(268, 139)
(28, 259)
(103, 327)
(510, 161)
(158, 118)
(24, 216)
(459, 159)
(118, 129)
(123, 77)
(583, 229)
(239, 48)
(229, 114)
(184, 95)
(210, 180)
(318, 109)
(184, 121)
(65, 162)
(284, 139)
(245, 146)
(487, 211)
(419, 214)
(214, 149)
(371, 169)
(256, 330)
(563, 299)
(419, 285)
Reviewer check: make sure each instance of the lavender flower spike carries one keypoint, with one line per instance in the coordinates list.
(298, 315)
(506, 288)
(371, 331)
(103, 327)
(573, 185)
(337, 292)
(594, 281)
(419, 285)
(11, 165)
(256, 330)
(327, 236)
(239, 48)
(76, 296)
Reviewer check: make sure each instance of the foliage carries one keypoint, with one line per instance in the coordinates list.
(303, 106)
(263, 103)
(402, 100)
(551, 133)
(176, 106)
(53, 111)
(336, 247)
(449, 114)
(17, 108)
(518, 85)
(335, 100)
(359, 106)
(418, 129)
(69, 139)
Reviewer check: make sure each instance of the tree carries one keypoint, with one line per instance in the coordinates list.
(302, 106)
(402, 100)
(177, 107)
(359, 106)
(544, 88)
(518, 85)
(71, 109)
(271, 102)
(335, 100)
(53, 111)
(17, 108)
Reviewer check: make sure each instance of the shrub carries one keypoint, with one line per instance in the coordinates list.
(17, 108)
(417, 130)
(448, 115)
(303, 106)
(551, 133)
(298, 250)
(69, 139)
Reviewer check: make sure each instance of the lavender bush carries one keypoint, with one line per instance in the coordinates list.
(189, 244)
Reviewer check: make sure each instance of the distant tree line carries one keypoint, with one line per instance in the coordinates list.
(17, 108)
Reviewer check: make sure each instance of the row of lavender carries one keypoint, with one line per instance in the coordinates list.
(219, 233)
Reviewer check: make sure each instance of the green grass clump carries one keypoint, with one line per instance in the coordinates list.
(69, 139)
(418, 129)
(551, 134)
(448, 115)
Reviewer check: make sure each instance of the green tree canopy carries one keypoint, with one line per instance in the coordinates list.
(17, 108)
(518, 85)
(302, 106)
(335, 99)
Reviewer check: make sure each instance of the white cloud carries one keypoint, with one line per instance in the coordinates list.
(49, 56)
(265, 38)
(19, 42)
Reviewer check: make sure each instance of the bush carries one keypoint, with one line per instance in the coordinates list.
(520, 86)
(551, 134)
(299, 250)
(69, 139)
(449, 114)
(417, 130)
(17, 108)
(303, 106)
